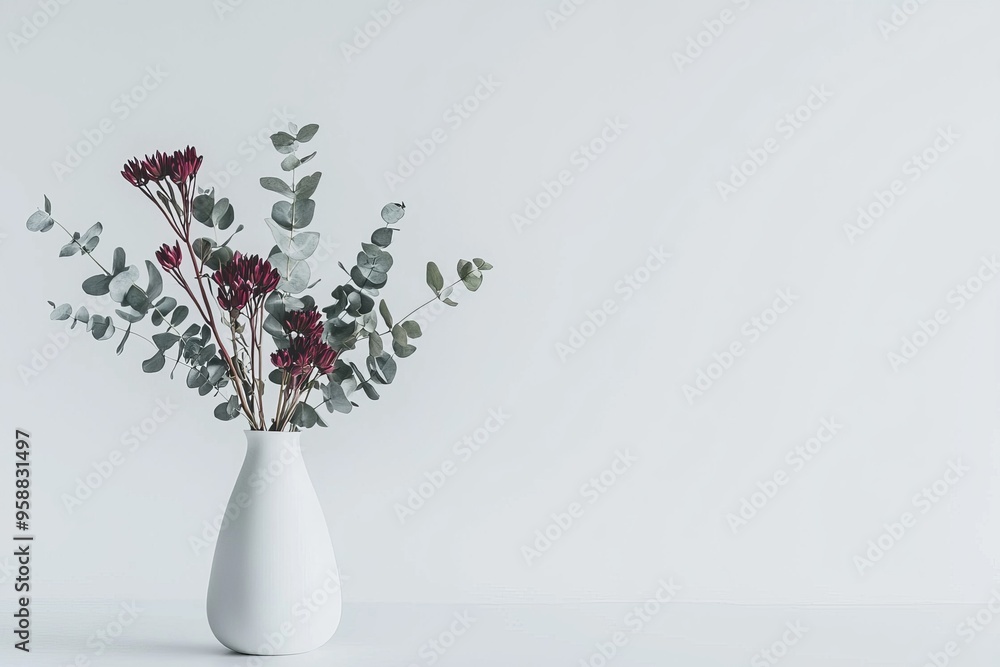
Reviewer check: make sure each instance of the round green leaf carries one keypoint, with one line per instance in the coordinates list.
(393, 213)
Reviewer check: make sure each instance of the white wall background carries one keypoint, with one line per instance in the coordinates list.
(226, 71)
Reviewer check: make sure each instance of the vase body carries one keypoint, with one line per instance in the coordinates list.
(274, 588)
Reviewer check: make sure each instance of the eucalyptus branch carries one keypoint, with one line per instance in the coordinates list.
(89, 254)
(425, 303)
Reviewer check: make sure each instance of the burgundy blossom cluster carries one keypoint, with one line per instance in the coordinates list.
(164, 171)
(180, 167)
(243, 280)
(306, 350)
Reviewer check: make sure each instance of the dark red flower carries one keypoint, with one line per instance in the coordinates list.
(135, 173)
(324, 357)
(179, 166)
(235, 297)
(169, 258)
(244, 278)
(306, 323)
(185, 165)
(282, 359)
(159, 166)
(303, 355)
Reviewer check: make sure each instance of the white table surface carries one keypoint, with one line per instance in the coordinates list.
(685, 634)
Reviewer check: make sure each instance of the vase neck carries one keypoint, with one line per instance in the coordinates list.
(274, 444)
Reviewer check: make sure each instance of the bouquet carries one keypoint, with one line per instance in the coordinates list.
(241, 300)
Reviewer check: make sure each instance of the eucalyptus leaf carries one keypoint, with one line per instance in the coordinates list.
(207, 353)
(293, 215)
(393, 213)
(136, 299)
(178, 315)
(369, 278)
(219, 258)
(161, 309)
(473, 280)
(93, 231)
(165, 341)
(382, 368)
(273, 326)
(221, 412)
(290, 162)
(203, 248)
(40, 221)
(239, 228)
(403, 350)
(63, 312)
(101, 327)
(129, 315)
(277, 185)
(195, 378)
(282, 139)
(121, 345)
(387, 365)
(298, 246)
(383, 309)
(154, 363)
(202, 207)
(121, 283)
(69, 249)
(307, 132)
(118, 261)
(223, 214)
(216, 369)
(375, 345)
(97, 285)
(275, 304)
(284, 143)
(412, 329)
(434, 278)
(336, 399)
(155, 287)
(307, 186)
(166, 304)
(370, 391)
(304, 416)
(399, 335)
(382, 236)
(294, 274)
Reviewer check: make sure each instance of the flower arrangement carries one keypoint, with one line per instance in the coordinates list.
(241, 300)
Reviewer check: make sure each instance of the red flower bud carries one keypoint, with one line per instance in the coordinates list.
(135, 173)
(169, 258)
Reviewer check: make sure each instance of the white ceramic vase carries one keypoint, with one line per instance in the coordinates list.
(274, 588)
